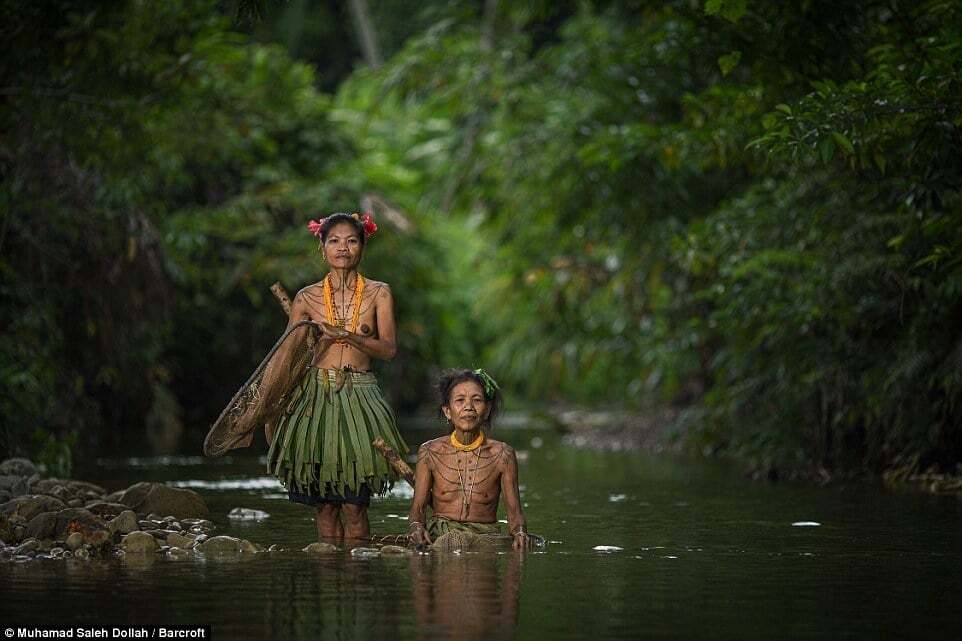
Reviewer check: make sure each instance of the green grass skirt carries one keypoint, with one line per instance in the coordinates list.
(438, 525)
(325, 436)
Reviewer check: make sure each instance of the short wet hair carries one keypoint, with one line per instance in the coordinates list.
(450, 378)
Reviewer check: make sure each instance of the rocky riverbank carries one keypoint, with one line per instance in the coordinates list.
(50, 518)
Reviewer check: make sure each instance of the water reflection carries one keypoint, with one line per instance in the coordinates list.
(466, 596)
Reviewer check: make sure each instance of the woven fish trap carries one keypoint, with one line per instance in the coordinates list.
(261, 400)
(462, 542)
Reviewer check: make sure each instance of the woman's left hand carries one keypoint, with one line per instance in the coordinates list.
(334, 333)
(522, 541)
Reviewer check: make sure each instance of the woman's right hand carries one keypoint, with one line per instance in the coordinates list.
(418, 534)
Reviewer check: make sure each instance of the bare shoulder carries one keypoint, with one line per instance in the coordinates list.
(376, 288)
(435, 445)
(499, 448)
(311, 291)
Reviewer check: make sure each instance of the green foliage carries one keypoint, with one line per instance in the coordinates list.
(158, 172)
(750, 209)
(735, 215)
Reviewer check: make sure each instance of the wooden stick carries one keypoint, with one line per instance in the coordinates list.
(281, 295)
(285, 301)
(394, 460)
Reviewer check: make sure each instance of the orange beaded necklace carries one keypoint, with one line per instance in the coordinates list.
(355, 300)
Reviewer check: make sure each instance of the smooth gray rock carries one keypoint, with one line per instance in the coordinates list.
(124, 523)
(320, 548)
(30, 545)
(17, 467)
(177, 553)
(75, 540)
(394, 550)
(139, 543)
(104, 508)
(79, 519)
(91, 488)
(42, 526)
(15, 485)
(161, 499)
(30, 506)
(178, 540)
(225, 545)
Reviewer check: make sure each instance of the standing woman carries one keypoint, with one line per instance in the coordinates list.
(321, 447)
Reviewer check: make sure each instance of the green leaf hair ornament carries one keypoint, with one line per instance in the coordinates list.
(490, 385)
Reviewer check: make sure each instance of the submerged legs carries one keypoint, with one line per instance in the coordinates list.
(330, 527)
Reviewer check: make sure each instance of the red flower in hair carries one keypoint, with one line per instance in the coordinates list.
(369, 225)
(315, 226)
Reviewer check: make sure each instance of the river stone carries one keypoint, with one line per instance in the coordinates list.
(42, 526)
(104, 508)
(97, 538)
(125, 522)
(55, 552)
(28, 507)
(177, 553)
(15, 485)
(78, 519)
(178, 540)
(75, 503)
(156, 497)
(17, 467)
(82, 553)
(365, 553)
(30, 545)
(88, 488)
(394, 550)
(225, 545)
(139, 543)
(320, 548)
(114, 497)
(47, 486)
(247, 514)
(6, 528)
(75, 540)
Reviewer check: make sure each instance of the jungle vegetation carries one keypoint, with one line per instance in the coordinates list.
(746, 210)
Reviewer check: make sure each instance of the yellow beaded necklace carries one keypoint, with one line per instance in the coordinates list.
(473, 445)
(329, 303)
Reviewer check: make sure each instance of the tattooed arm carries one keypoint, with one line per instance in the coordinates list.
(422, 495)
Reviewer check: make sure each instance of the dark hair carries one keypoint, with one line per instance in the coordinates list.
(451, 377)
(338, 218)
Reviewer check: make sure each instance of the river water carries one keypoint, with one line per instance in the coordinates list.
(640, 547)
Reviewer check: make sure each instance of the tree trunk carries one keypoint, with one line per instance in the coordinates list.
(365, 33)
